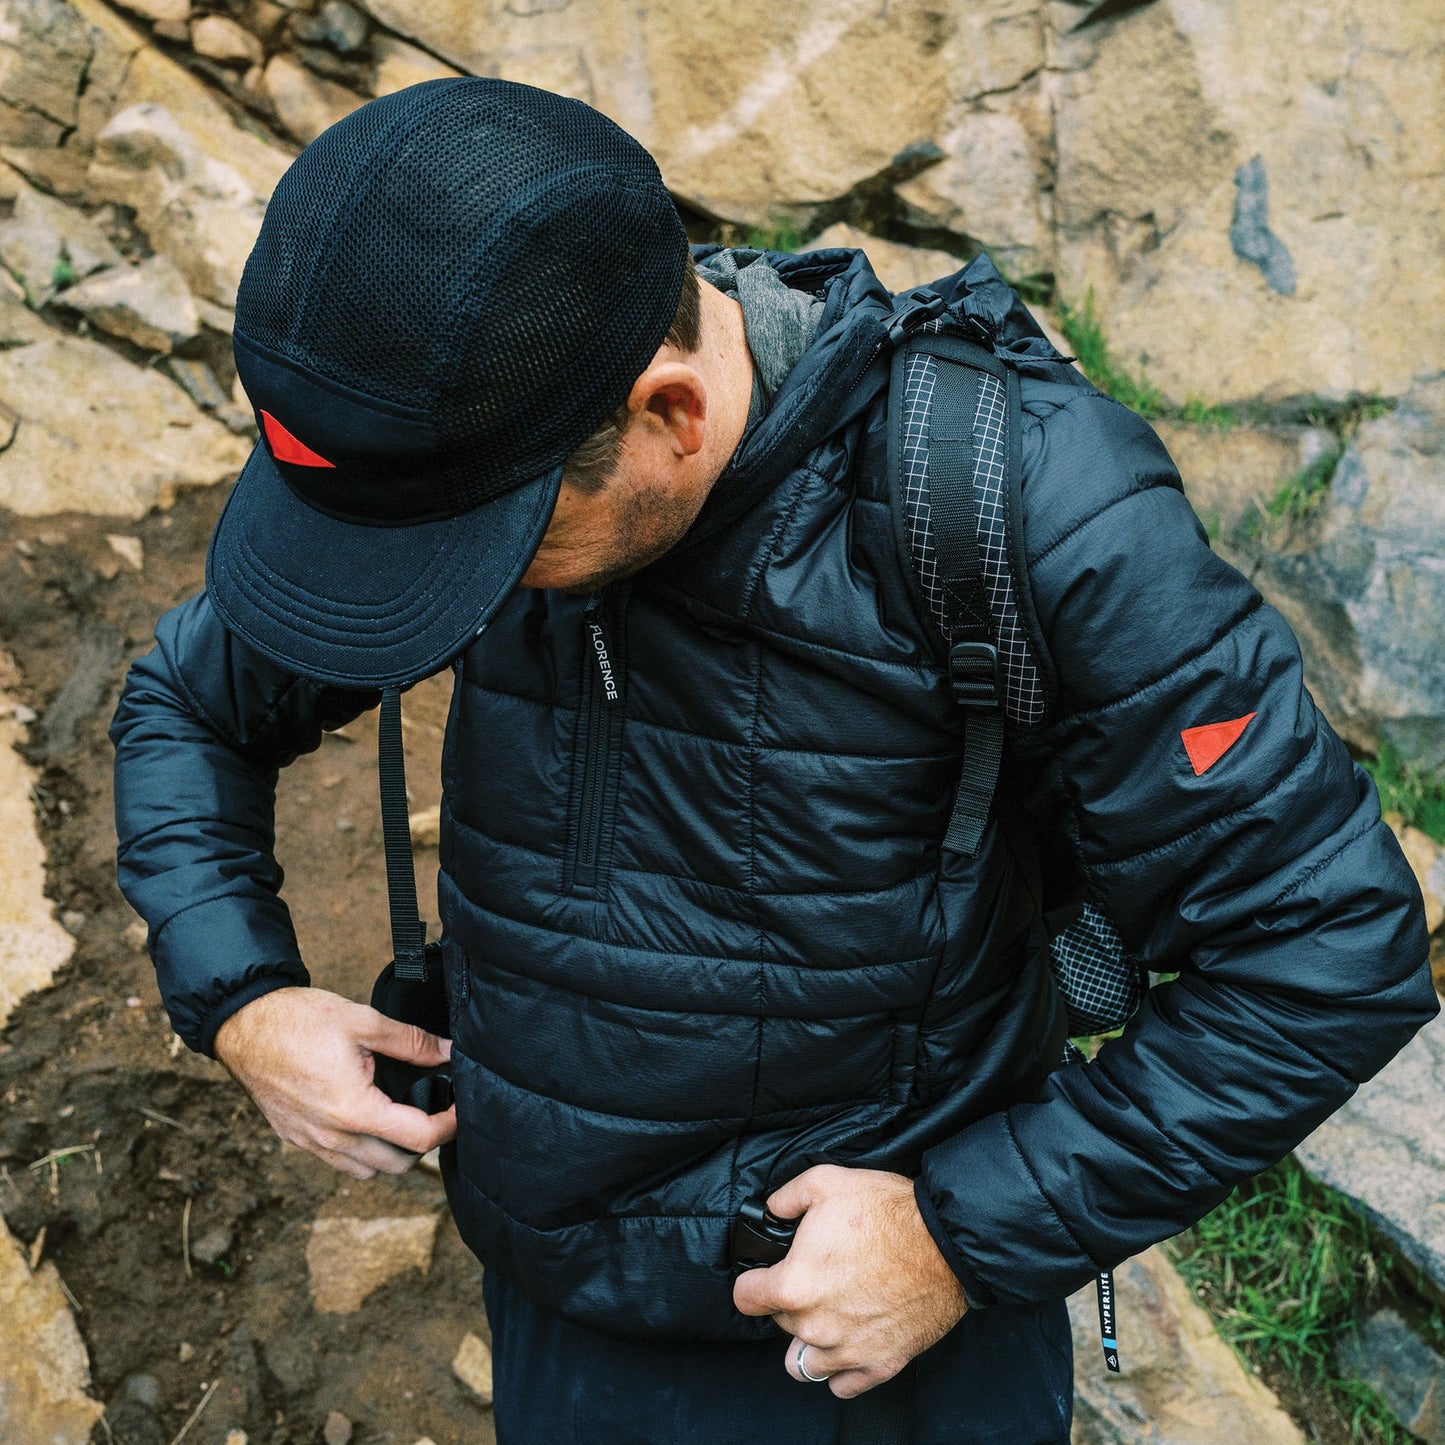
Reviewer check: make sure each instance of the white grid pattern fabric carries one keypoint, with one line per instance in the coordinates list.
(1023, 692)
(1099, 985)
(1101, 988)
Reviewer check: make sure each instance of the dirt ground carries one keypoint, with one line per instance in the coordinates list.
(92, 1061)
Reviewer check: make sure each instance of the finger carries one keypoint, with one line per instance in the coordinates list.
(800, 1355)
(413, 1045)
(377, 1155)
(816, 1359)
(343, 1162)
(799, 1195)
(400, 1124)
(849, 1384)
(768, 1291)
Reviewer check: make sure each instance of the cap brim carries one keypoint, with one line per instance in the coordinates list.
(358, 605)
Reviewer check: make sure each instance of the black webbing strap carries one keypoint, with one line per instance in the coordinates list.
(882, 1416)
(408, 934)
(972, 658)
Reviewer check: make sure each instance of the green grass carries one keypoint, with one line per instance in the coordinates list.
(1085, 336)
(1418, 797)
(63, 274)
(784, 234)
(1344, 417)
(1219, 416)
(1287, 1268)
(1304, 491)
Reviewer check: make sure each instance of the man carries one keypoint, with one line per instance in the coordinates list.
(701, 940)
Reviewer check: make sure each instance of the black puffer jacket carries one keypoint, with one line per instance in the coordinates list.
(702, 934)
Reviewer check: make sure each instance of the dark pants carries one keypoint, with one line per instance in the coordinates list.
(1002, 1377)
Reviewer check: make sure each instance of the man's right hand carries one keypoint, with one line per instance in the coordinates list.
(305, 1057)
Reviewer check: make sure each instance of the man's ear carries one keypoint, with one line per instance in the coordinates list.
(669, 403)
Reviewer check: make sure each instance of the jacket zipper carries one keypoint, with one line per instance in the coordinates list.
(602, 637)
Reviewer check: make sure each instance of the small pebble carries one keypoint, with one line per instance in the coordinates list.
(72, 921)
(213, 1245)
(237, 1437)
(24, 715)
(337, 1430)
(186, 1353)
(345, 825)
(143, 1389)
(134, 1001)
(472, 1365)
(130, 550)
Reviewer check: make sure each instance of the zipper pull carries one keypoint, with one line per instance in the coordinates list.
(1110, 1338)
(594, 639)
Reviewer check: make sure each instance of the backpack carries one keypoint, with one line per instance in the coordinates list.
(954, 445)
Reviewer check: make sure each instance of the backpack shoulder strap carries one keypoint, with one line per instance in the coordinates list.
(953, 439)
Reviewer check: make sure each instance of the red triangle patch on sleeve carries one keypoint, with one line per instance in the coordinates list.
(286, 447)
(1207, 744)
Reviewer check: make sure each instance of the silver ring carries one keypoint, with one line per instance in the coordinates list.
(803, 1369)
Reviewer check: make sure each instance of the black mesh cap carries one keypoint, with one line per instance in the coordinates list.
(452, 288)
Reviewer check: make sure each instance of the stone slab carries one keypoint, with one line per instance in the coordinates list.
(898, 267)
(44, 1371)
(1386, 1149)
(33, 945)
(348, 1258)
(1179, 1384)
(1390, 1358)
(97, 434)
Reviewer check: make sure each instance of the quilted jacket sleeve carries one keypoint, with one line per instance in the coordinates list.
(203, 725)
(1267, 880)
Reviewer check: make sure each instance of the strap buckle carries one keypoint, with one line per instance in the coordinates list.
(973, 669)
(759, 1237)
(912, 309)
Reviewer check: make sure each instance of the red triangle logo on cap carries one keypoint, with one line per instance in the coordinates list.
(1206, 745)
(288, 448)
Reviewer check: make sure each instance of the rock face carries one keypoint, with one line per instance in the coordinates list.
(1180, 1383)
(1242, 217)
(898, 267)
(44, 52)
(305, 104)
(149, 304)
(194, 204)
(94, 433)
(399, 65)
(1231, 475)
(44, 1372)
(348, 1258)
(1386, 1149)
(47, 245)
(1365, 587)
(33, 945)
(750, 108)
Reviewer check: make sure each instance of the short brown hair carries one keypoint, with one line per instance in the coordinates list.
(590, 467)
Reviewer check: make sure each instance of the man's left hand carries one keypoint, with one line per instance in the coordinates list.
(863, 1285)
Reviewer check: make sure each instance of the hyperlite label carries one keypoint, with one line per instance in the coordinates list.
(1106, 1319)
(606, 677)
